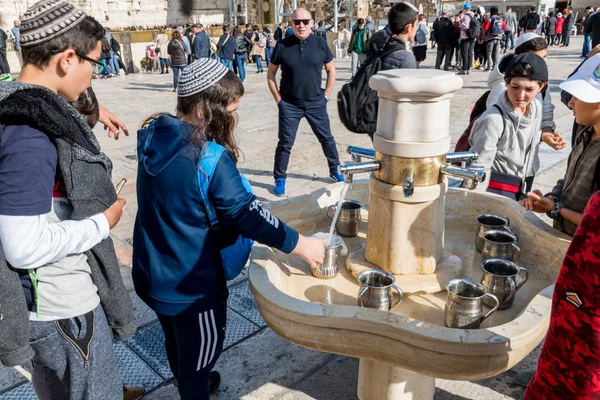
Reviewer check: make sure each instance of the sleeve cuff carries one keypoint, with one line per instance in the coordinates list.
(102, 224)
(291, 240)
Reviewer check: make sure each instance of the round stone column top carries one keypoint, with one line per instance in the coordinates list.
(415, 82)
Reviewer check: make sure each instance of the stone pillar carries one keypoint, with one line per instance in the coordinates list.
(406, 229)
(378, 380)
(126, 52)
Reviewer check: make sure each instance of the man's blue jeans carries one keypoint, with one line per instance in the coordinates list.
(268, 52)
(240, 61)
(289, 119)
(227, 63)
(587, 44)
(114, 65)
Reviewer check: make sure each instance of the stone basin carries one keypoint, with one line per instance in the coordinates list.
(403, 350)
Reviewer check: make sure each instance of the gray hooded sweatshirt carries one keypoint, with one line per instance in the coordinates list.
(497, 87)
(504, 140)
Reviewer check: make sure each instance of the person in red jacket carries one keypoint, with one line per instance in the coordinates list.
(560, 21)
(569, 365)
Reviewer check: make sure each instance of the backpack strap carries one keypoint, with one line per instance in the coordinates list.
(210, 154)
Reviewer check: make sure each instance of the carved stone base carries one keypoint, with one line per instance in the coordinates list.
(449, 268)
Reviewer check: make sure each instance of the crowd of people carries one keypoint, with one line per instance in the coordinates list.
(63, 299)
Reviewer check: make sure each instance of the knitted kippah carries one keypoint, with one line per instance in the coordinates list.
(48, 19)
(200, 75)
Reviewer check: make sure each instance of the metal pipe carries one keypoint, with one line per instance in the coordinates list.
(472, 176)
(361, 151)
(348, 170)
(461, 156)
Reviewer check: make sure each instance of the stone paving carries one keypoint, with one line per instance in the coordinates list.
(257, 363)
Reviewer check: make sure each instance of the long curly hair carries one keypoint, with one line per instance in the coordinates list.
(207, 111)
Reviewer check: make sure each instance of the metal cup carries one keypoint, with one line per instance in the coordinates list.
(464, 305)
(349, 218)
(376, 290)
(329, 269)
(500, 279)
(488, 222)
(500, 244)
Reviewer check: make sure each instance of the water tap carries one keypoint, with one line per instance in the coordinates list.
(348, 170)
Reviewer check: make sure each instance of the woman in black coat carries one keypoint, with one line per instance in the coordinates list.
(176, 50)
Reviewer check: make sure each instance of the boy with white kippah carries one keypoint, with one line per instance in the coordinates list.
(63, 299)
(566, 202)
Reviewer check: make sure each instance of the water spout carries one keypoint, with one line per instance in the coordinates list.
(349, 170)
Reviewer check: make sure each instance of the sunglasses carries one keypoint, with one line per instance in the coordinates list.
(79, 55)
(297, 22)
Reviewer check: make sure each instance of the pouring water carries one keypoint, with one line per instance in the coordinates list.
(337, 211)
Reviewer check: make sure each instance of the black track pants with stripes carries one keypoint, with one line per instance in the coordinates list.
(194, 342)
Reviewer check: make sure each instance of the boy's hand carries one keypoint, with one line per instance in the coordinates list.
(536, 202)
(113, 213)
(312, 250)
(111, 123)
(554, 140)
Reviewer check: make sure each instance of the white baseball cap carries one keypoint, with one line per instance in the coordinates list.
(585, 83)
(526, 37)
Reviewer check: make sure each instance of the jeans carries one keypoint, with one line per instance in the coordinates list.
(357, 59)
(258, 62)
(289, 119)
(493, 48)
(164, 65)
(467, 47)
(227, 63)
(444, 52)
(81, 367)
(194, 341)
(509, 36)
(268, 53)
(240, 61)
(114, 65)
(587, 44)
(176, 71)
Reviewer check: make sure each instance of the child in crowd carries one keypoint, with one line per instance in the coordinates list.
(506, 134)
(569, 364)
(187, 181)
(401, 29)
(566, 202)
(529, 43)
(63, 299)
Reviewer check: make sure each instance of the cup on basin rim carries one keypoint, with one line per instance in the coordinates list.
(349, 219)
(376, 290)
(464, 304)
(488, 222)
(500, 279)
(500, 244)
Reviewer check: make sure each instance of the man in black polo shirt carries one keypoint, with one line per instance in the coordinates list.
(302, 57)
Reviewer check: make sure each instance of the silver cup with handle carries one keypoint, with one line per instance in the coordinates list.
(489, 222)
(500, 279)
(500, 244)
(376, 290)
(464, 304)
(349, 219)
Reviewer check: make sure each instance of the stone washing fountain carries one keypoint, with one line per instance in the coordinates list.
(422, 232)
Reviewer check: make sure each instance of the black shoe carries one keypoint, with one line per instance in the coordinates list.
(215, 381)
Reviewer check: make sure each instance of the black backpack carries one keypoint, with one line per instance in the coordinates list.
(474, 28)
(357, 102)
(478, 109)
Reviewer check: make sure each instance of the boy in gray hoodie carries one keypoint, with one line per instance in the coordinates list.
(506, 134)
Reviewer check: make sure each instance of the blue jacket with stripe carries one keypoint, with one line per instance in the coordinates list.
(176, 258)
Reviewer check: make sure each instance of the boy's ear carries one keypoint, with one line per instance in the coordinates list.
(66, 60)
(543, 85)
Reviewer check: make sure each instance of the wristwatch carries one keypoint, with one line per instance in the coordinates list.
(554, 212)
(326, 98)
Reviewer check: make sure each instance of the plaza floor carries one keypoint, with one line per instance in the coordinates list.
(257, 363)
